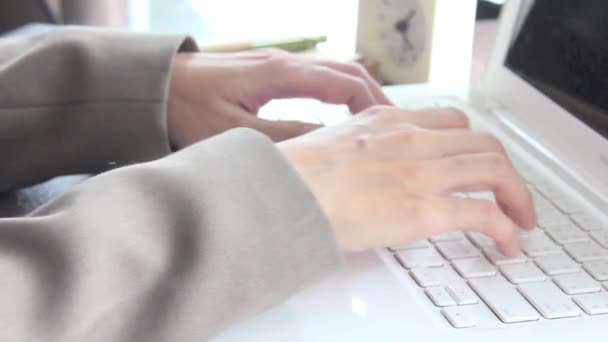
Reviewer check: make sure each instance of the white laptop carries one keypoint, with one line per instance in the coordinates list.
(546, 97)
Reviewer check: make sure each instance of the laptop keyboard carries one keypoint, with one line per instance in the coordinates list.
(560, 272)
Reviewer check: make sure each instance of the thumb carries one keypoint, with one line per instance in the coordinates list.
(282, 130)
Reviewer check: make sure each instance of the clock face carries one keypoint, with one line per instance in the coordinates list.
(403, 30)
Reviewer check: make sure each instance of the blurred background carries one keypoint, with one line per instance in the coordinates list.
(398, 41)
(230, 19)
(214, 22)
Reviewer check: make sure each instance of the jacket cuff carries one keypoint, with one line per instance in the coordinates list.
(274, 234)
(99, 101)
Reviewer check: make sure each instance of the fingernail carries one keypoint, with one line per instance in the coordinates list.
(510, 249)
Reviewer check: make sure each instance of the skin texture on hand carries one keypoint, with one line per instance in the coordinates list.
(389, 176)
(213, 92)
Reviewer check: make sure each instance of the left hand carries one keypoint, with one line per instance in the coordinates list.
(213, 92)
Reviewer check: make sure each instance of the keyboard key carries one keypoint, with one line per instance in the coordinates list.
(480, 240)
(578, 283)
(598, 269)
(567, 234)
(586, 251)
(539, 245)
(458, 249)
(567, 206)
(459, 317)
(411, 245)
(549, 300)
(502, 298)
(601, 237)
(462, 294)
(587, 223)
(474, 268)
(449, 236)
(427, 276)
(520, 164)
(548, 190)
(439, 296)
(528, 233)
(550, 217)
(557, 264)
(427, 257)
(540, 202)
(498, 258)
(593, 303)
(522, 273)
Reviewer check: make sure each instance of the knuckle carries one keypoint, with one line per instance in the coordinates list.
(433, 219)
(420, 138)
(363, 139)
(458, 117)
(394, 116)
(357, 83)
(277, 59)
(357, 69)
(413, 211)
(498, 164)
(447, 167)
(274, 52)
(377, 110)
(492, 142)
(489, 212)
(417, 209)
(411, 171)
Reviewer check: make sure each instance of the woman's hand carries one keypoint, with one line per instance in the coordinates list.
(389, 176)
(212, 92)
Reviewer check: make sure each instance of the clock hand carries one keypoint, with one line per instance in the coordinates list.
(403, 25)
(411, 15)
(406, 44)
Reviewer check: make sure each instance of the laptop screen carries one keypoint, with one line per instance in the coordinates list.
(562, 50)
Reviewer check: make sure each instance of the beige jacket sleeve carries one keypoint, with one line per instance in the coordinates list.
(78, 100)
(174, 249)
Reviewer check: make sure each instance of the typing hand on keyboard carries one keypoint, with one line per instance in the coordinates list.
(388, 177)
(560, 272)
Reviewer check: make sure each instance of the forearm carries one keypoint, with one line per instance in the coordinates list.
(81, 100)
(172, 250)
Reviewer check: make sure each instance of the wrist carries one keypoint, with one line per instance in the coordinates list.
(315, 173)
(175, 103)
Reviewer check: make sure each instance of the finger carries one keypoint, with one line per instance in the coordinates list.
(355, 69)
(453, 143)
(453, 213)
(436, 118)
(324, 84)
(280, 130)
(482, 172)
(415, 144)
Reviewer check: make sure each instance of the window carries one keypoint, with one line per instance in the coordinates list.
(232, 20)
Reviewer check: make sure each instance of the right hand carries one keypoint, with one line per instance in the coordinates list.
(388, 177)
